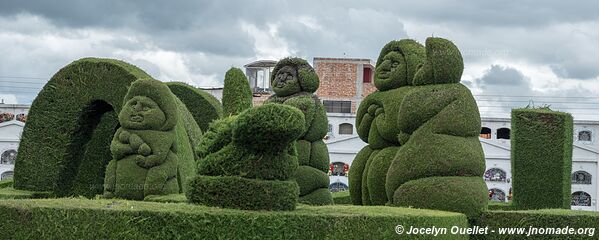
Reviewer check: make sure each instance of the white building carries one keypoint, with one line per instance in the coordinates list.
(12, 121)
(494, 138)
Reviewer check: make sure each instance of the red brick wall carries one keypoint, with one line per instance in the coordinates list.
(337, 80)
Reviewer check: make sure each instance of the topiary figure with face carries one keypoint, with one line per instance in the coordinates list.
(145, 147)
(249, 160)
(294, 83)
(422, 127)
(377, 118)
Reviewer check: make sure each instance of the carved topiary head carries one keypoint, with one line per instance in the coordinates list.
(444, 63)
(149, 104)
(397, 64)
(293, 75)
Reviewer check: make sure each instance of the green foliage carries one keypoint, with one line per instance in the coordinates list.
(443, 64)
(321, 196)
(152, 153)
(546, 218)
(294, 81)
(11, 193)
(255, 147)
(466, 195)
(6, 183)
(541, 158)
(365, 191)
(237, 95)
(310, 179)
(59, 138)
(204, 107)
(243, 193)
(119, 219)
(293, 75)
(218, 135)
(355, 174)
(397, 64)
(377, 175)
(341, 198)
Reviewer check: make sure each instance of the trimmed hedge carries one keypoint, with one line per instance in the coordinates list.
(11, 193)
(120, 219)
(541, 158)
(355, 174)
(294, 81)
(310, 179)
(204, 107)
(237, 95)
(466, 195)
(545, 218)
(318, 197)
(377, 175)
(341, 198)
(443, 64)
(397, 64)
(59, 136)
(218, 135)
(243, 193)
(152, 153)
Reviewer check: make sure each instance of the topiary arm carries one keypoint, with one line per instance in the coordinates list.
(308, 107)
(421, 105)
(120, 147)
(366, 115)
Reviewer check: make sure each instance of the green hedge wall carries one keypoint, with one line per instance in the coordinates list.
(545, 218)
(204, 107)
(59, 136)
(237, 95)
(342, 198)
(119, 219)
(541, 158)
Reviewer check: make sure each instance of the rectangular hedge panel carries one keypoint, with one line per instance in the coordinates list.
(545, 218)
(541, 158)
(119, 219)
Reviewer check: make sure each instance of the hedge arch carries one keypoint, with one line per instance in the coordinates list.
(69, 125)
(204, 107)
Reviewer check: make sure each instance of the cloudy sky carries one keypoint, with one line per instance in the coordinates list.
(512, 51)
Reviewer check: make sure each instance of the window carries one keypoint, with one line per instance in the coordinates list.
(8, 157)
(485, 132)
(581, 177)
(585, 136)
(367, 78)
(338, 186)
(503, 133)
(6, 175)
(495, 175)
(337, 106)
(346, 128)
(581, 199)
(496, 195)
(339, 169)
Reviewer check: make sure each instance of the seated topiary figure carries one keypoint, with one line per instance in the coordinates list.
(150, 148)
(422, 128)
(248, 160)
(377, 118)
(294, 82)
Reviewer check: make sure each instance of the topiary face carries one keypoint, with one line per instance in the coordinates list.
(286, 81)
(391, 73)
(141, 112)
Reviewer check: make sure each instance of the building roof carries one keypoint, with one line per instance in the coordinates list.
(261, 64)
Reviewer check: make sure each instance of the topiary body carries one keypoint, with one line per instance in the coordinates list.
(237, 95)
(294, 83)
(151, 149)
(423, 132)
(253, 156)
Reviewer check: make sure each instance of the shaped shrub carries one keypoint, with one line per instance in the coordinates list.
(204, 107)
(252, 156)
(294, 82)
(70, 125)
(541, 158)
(152, 154)
(237, 95)
(423, 134)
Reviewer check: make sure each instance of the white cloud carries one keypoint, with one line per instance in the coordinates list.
(267, 42)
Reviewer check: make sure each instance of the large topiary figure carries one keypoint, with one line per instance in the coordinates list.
(294, 82)
(439, 161)
(248, 160)
(237, 95)
(151, 152)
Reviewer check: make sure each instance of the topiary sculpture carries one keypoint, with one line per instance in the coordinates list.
(438, 161)
(151, 151)
(204, 107)
(294, 82)
(237, 95)
(248, 160)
